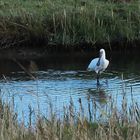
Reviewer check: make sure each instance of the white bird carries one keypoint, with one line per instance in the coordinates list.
(99, 64)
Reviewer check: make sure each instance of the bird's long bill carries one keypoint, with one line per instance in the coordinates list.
(98, 63)
(100, 55)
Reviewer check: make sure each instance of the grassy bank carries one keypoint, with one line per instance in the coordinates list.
(112, 124)
(67, 23)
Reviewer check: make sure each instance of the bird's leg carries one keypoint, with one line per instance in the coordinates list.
(98, 83)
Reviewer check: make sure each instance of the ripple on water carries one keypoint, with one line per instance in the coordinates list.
(59, 86)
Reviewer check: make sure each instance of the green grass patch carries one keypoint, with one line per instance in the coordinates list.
(68, 23)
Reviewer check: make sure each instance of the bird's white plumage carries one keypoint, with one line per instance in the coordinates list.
(99, 64)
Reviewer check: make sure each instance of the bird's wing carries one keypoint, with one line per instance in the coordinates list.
(93, 64)
(103, 66)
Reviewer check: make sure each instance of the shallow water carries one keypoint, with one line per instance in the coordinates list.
(57, 80)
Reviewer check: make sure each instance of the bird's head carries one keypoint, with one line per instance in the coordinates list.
(102, 51)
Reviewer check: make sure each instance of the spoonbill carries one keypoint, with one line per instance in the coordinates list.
(99, 64)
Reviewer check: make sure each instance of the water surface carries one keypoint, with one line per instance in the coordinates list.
(57, 80)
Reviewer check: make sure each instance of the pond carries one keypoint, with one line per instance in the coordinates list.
(59, 80)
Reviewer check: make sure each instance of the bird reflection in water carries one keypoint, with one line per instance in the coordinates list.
(97, 101)
(99, 95)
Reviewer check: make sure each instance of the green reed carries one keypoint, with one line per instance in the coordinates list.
(68, 23)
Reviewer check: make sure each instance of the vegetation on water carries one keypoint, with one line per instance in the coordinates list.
(68, 22)
(111, 123)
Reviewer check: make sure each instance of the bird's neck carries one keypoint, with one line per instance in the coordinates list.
(103, 56)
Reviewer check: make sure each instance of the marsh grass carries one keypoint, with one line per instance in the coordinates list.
(112, 123)
(67, 23)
